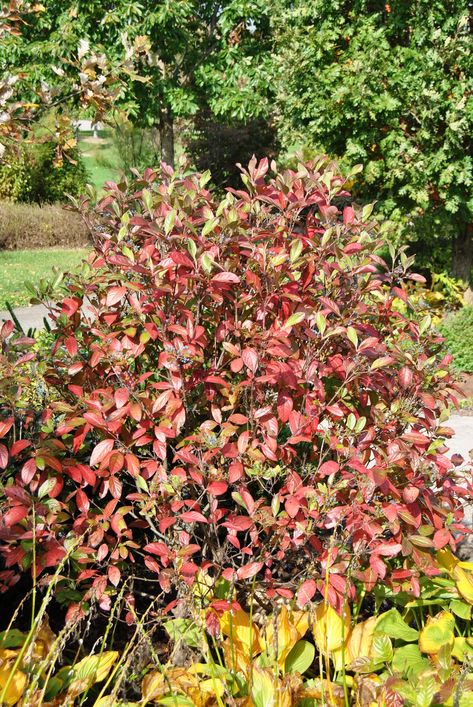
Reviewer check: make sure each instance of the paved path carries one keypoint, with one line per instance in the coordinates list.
(29, 317)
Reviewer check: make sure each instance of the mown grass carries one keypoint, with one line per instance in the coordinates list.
(100, 158)
(19, 266)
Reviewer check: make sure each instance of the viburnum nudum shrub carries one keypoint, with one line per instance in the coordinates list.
(236, 393)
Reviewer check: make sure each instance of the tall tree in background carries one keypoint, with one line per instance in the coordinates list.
(389, 86)
(173, 49)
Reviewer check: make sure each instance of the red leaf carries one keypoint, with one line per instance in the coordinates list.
(292, 506)
(70, 306)
(226, 277)
(388, 549)
(250, 359)
(28, 471)
(5, 426)
(405, 377)
(235, 472)
(3, 456)
(82, 501)
(217, 488)
(250, 570)
(441, 538)
(193, 517)
(121, 397)
(15, 515)
(328, 468)
(102, 450)
(114, 575)
(306, 592)
(114, 295)
(19, 446)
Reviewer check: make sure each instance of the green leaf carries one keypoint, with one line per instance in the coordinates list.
(295, 318)
(185, 630)
(352, 336)
(46, 487)
(207, 263)
(191, 247)
(300, 658)
(296, 250)
(321, 322)
(382, 649)
(169, 221)
(408, 660)
(13, 638)
(209, 226)
(393, 625)
(461, 608)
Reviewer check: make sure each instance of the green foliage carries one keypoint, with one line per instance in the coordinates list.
(458, 332)
(30, 175)
(388, 86)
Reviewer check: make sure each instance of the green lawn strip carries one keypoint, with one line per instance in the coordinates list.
(19, 266)
(100, 158)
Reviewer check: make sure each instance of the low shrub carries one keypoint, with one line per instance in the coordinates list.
(458, 332)
(29, 226)
(29, 175)
(235, 399)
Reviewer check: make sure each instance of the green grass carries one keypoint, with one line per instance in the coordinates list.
(19, 266)
(100, 158)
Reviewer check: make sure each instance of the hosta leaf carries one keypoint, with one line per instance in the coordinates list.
(264, 687)
(92, 669)
(300, 658)
(360, 641)
(437, 632)
(329, 628)
(16, 683)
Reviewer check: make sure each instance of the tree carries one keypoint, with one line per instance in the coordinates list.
(178, 49)
(389, 86)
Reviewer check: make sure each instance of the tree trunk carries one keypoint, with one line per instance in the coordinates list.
(462, 256)
(166, 134)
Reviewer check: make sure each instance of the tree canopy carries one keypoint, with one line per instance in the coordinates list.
(388, 86)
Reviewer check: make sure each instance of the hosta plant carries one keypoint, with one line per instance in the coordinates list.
(233, 392)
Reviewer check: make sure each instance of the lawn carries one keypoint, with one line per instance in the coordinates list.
(19, 266)
(100, 158)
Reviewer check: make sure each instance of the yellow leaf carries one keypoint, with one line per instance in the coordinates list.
(360, 641)
(17, 683)
(462, 648)
(281, 644)
(239, 628)
(92, 669)
(437, 632)
(458, 571)
(330, 629)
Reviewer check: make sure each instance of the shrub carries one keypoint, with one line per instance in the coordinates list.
(458, 332)
(28, 226)
(236, 399)
(29, 175)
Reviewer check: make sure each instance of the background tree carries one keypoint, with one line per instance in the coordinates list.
(178, 49)
(389, 86)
